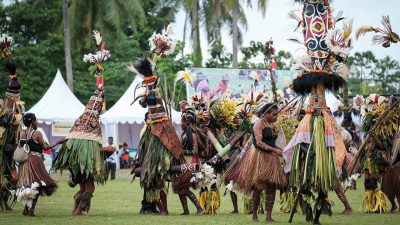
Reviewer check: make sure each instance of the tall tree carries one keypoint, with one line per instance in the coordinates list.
(110, 17)
(67, 45)
(238, 16)
(235, 33)
(386, 71)
(215, 16)
(363, 61)
(198, 58)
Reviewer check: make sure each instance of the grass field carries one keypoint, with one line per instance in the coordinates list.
(118, 202)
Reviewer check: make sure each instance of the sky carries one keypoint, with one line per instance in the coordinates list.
(277, 25)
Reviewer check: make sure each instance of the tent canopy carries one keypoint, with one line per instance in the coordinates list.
(58, 103)
(123, 112)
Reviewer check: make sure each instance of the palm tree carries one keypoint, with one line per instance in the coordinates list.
(238, 16)
(215, 15)
(193, 17)
(67, 45)
(110, 17)
(80, 18)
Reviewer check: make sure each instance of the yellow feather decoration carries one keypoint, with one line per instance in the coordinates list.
(183, 75)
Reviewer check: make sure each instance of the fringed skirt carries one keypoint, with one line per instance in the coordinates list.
(391, 182)
(83, 159)
(8, 144)
(314, 165)
(260, 170)
(155, 161)
(33, 172)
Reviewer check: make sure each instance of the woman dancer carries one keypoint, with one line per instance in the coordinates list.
(261, 169)
(33, 176)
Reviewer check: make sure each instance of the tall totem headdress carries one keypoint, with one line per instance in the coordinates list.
(327, 48)
(87, 126)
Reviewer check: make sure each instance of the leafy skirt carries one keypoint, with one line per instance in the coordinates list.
(155, 161)
(314, 164)
(83, 159)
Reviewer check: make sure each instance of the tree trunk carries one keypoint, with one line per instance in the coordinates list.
(197, 60)
(184, 32)
(235, 12)
(67, 46)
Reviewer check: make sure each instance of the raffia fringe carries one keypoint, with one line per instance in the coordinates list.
(85, 136)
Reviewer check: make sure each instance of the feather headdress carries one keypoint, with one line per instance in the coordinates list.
(383, 36)
(100, 56)
(162, 43)
(5, 44)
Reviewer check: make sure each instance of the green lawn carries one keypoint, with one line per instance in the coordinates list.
(118, 202)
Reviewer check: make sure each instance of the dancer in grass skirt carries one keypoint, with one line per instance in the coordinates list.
(261, 169)
(316, 150)
(82, 154)
(11, 111)
(34, 179)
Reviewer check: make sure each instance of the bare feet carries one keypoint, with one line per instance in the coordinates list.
(78, 214)
(163, 213)
(269, 220)
(235, 212)
(347, 212)
(255, 220)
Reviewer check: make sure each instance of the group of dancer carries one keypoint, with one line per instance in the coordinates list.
(252, 145)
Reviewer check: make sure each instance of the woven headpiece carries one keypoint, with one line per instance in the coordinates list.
(327, 48)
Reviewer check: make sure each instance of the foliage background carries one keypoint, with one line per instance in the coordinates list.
(36, 26)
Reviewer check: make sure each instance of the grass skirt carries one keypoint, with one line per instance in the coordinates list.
(314, 166)
(8, 143)
(260, 170)
(155, 160)
(232, 165)
(83, 159)
(33, 170)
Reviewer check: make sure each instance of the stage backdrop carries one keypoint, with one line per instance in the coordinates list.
(240, 81)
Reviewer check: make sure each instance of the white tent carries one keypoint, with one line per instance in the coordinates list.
(124, 120)
(58, 105)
